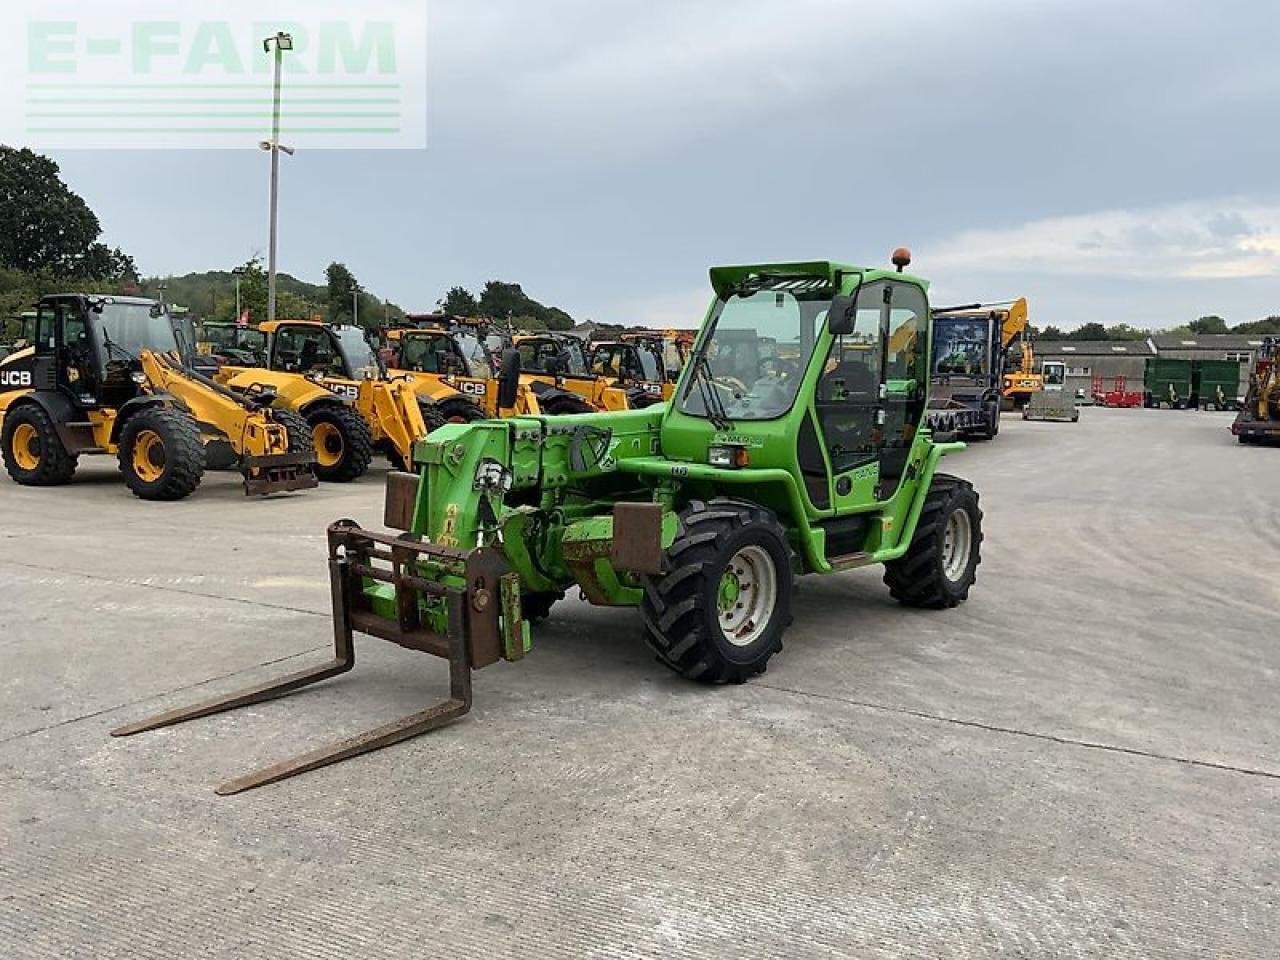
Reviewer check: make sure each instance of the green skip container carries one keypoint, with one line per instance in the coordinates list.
(1168, 381)
(1216, 383)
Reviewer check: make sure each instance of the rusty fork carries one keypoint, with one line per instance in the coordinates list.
(350, 561)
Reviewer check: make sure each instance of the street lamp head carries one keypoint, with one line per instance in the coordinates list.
(282, 41)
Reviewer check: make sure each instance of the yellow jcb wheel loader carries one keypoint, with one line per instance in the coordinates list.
(105, 375)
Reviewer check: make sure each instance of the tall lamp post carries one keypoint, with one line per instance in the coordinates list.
(280, 42)
(238, 272)
(355, 304)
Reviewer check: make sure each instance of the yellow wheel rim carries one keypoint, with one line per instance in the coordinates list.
(26, 446)
(148, 456)
(328, 443)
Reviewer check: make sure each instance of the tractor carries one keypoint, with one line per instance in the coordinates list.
(332, 377)
(107, 375)
(701, 512)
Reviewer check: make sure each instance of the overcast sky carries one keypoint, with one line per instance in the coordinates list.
(1112, 161)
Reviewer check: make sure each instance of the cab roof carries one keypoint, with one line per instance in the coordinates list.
(724, 279)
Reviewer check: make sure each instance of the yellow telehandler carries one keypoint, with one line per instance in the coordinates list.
(332, 378)
(106, 375)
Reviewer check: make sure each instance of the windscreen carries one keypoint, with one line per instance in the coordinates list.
(755, 351)
(361, 359)
(138, 326)
(961, 346)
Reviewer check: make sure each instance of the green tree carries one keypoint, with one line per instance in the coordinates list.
(1209, 324)
(342, 284)
(1267, 325)
(1088, 331)
(502, 300)
(1122, 331)
(459, 302)
(50, 229)
(1052, 333)
(253, 291)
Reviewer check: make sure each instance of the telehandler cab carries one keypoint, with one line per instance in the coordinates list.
(333, 378)
(449, 367)
(107, 375)
(700, 512)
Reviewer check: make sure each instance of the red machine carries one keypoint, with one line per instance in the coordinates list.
(1117, 396)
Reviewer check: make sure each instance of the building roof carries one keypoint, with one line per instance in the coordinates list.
(1095, 348)
(1207, 341)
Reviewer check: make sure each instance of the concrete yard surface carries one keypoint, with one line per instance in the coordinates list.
(1082, 761)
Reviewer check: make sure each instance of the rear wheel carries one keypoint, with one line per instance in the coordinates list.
(161, 455)
(564, 406)
(342, 442)
(718, 613)
(536, 607)
(460, 410)
(942, 562)
(33, 452)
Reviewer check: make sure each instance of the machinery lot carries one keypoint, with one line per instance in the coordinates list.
(1083, 760)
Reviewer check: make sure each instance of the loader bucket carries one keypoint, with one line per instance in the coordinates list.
(277, 473)
(459, 605)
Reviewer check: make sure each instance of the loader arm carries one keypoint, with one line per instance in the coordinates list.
(260, 443)
(392, 410)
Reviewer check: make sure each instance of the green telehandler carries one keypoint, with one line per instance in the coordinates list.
(813, 456)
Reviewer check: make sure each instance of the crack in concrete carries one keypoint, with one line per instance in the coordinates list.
(168, 588)
(1030, 734)
(865, 704)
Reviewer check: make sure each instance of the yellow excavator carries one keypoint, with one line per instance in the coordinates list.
(1021, 379)
(107, 375)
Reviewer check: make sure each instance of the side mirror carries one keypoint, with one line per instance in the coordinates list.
(509, 379)
(840, 315)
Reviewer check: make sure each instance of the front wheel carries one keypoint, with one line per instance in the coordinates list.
(161, 454)
(941, 564)
(718, 612)
(342, 442)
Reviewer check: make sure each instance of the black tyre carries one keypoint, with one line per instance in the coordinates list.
(342, 442)
(564, 406)
(460, 410)
(536, 607)
(161, 455)
(718, 612)
(33, 452)
(942, 562)
(295, 424)
(432, 417)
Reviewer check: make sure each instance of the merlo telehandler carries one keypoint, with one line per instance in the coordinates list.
(700, 512)
(107, 375)
(333, 378)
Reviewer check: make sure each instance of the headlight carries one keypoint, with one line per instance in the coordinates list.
(730, 457)
(139, 378)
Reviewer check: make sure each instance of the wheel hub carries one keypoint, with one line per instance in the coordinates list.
(957, 544)
(148, 456)
(26, 446)
(747, 594)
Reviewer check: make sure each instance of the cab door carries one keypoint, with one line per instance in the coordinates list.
(871, 393)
